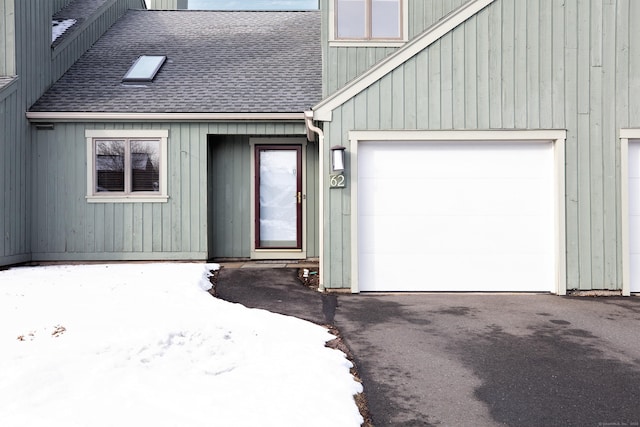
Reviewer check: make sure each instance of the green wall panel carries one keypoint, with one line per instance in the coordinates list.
(14, 203)
(231, 198)
(207, 214)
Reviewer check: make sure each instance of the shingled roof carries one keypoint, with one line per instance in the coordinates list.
(217, 62)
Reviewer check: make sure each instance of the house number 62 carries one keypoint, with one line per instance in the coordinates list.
(336, 181)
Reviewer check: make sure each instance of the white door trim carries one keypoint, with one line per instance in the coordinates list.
(625, 136)
(278, 253)
(557, 137)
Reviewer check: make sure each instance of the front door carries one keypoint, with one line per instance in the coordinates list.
(278, 216)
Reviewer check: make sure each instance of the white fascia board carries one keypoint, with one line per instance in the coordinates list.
(37, 116)
(323, 110)
(126, 133)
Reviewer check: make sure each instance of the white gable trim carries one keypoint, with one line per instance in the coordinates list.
(323, 111)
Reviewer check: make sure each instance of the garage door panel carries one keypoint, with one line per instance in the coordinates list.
(455, 196)
(470, 216)
(444, 273)
(435, 234)
(634, 230)
(634, 272)
(454, 159)
(634, 196)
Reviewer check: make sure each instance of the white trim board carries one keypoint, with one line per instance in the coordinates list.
(323, 111)
(625, 136)
(53, 116)
(557, 137)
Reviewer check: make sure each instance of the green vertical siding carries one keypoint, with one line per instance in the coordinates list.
(313, 214)
(343, 64)
(33, 47)
(231, 196)
(65, 226)
(208, 186)
(25, 37)
(521, 64)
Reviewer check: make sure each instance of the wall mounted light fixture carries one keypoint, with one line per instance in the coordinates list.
(337, 158)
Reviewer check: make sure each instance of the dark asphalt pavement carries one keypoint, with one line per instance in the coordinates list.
(473, 360)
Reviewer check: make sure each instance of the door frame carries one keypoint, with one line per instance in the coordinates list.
(286, 253)
(556, 137)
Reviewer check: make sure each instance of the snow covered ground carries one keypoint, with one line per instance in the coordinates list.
(146, 345)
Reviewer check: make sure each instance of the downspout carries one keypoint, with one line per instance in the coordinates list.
(311, 129)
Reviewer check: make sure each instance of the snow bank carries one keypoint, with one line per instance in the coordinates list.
(145, 344)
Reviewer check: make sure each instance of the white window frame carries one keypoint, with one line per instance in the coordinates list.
(334, 41)
(142, 197)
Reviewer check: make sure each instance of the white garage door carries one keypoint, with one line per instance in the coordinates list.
(456, 216)
(634, 215)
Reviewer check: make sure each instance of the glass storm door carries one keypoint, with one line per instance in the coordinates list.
(278, 197)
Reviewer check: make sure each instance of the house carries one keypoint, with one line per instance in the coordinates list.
(442, 145)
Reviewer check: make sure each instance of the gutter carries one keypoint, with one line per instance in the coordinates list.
(62, 116)
(311, 130)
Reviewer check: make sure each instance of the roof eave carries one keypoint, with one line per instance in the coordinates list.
(62, 116)
(323, 111)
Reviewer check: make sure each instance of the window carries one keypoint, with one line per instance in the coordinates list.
(369, 20)
(144, 69)
(126, 165)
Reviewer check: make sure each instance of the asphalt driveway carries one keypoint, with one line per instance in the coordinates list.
(473, 360)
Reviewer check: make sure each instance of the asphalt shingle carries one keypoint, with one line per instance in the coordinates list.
(223, 62)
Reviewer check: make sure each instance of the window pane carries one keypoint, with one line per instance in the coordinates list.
(351, 19)
(144, 69)
(145, 166)
(109, 166)
(385, 19)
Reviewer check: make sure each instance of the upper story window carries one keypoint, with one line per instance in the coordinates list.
(369, 21)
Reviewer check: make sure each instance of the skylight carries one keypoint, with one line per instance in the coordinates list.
(144, 69)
